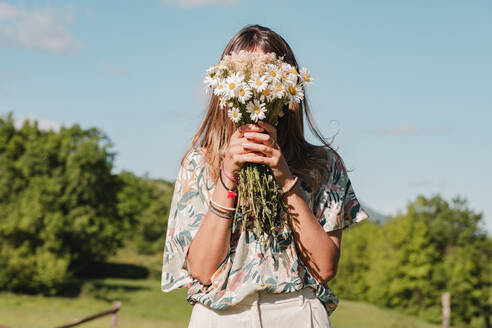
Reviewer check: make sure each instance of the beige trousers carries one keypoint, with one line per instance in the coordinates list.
(300, 309)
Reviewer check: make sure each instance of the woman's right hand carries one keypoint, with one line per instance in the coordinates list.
(232, 160)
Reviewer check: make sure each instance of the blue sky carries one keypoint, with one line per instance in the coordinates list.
(406, 84)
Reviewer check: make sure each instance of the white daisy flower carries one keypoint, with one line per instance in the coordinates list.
(221, 68)
(258, 82)
(306, 76)
(292, 78)
(210, 81)
(212, 70)
(222, 102)
(295, 93)
(257, 110)
(267, 94)
(234, 114)
(232, 84)
(272, 73)
(288, 79)
(293, 70)
(286, 67)
(289, 74)
(278, 90)
(244, 92)
(220, 88)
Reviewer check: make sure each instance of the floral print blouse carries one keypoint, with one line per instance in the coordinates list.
(245, 270)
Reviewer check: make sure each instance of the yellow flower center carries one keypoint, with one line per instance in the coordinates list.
(293, 71)
(278, 87)
(259, 82)
(234, 114)
(273, 74)
(266, 92)
(292, 90)
(306, 78)
(220, 86)
(257, 110)
(241, 92)
(232, 85)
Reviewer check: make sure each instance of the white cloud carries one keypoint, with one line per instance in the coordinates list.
(43, 125)
(44, 29)
(198, 3)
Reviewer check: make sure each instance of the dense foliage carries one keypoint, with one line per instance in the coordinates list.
(413, 258)
(58, 204)
(62, 211)
(144, 204)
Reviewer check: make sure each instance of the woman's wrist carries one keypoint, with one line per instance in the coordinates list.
(230, 176)
(285, 181)
(290, 185)
(231, 190)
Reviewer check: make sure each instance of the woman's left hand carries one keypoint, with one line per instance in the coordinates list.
(266, 144)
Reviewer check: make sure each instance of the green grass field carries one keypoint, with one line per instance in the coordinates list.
(145, 305)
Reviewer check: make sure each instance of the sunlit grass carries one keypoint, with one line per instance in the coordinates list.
(145, 305)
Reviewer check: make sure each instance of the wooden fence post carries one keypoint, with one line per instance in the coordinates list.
(115, 316)
(446, 309)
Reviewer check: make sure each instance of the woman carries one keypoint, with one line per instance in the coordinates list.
(230, 283)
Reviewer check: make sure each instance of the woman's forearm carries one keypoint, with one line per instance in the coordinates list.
(211, 243)
(314, 246)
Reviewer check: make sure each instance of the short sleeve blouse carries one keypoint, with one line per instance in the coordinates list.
(245, 270)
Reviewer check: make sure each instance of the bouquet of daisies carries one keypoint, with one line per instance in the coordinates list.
(254, 86)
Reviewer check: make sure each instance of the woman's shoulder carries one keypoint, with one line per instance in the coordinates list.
(326, 158)
(193, 157)
(333, 160)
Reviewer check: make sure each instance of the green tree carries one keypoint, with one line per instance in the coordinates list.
(144, 203)
(58, 204)
(407, 263)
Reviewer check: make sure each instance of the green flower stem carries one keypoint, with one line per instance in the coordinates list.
(261, 203)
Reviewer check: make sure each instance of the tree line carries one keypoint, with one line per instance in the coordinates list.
(62, 211)
(408, 262)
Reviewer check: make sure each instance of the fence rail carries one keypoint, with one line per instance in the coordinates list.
(114, 311)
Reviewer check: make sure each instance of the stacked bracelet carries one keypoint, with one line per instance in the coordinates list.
(230, 193)
(291, 187)
(217, 211)
(222, 206)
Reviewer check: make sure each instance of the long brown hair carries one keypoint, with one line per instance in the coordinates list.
(309, 162)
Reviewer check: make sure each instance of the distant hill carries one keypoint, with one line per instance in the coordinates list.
(373, 214)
